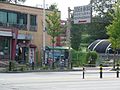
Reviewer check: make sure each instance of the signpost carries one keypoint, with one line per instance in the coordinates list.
(82, 14)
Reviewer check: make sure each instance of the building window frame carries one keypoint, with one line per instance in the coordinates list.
(33, 22)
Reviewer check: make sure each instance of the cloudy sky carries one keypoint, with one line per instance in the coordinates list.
(62, 4)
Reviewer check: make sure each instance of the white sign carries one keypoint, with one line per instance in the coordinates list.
(31, 55)
(5, 33)
(82, 14)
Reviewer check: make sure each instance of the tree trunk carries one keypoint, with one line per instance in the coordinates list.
(114, 59)
(77, 59)
(53, 66)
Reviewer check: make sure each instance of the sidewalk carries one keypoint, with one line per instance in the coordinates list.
(87, 70)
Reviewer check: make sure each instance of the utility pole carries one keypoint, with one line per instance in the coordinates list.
(69, 37)
(43, 62)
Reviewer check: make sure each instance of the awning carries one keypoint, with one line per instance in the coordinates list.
(57, 48)
(32, 46)
(5, 33)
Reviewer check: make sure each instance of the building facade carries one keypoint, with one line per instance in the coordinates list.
(61, 40)
(21, 31)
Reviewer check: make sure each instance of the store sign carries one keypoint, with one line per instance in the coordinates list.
(82, 14)
(25, 37)
(31, 55)
(5, 33)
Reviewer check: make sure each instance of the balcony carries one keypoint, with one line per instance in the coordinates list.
(18, 26)
(33, 28)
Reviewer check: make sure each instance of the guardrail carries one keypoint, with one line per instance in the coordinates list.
(99, 70)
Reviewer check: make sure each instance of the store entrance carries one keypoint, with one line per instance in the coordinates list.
(22, 50)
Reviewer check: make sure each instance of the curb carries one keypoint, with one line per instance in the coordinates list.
(38, 71)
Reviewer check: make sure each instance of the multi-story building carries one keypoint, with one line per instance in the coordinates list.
(61, 39)
(21, 32)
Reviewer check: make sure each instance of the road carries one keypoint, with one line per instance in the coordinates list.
(58, 81)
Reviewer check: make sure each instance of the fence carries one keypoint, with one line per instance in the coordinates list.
(100, 71)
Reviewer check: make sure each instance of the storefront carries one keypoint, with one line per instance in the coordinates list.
(25, 52)
(14, 46)
(60, 56)
(22, 49)
(5, 45)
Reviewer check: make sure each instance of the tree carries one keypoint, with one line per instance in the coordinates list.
(100, 19)
(113, 30)
(101, 7)
(53, 26)
(75, 37)
(13, 1)
(53, 7)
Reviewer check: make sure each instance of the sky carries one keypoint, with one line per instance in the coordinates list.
(62, 5)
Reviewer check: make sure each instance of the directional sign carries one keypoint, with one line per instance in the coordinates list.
(82, 14)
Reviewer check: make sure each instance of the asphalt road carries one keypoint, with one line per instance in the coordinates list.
(58, 81)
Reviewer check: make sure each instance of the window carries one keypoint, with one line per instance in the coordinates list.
(33, 23)
(12, 18)
(3, 17)
(22, 19)
(33, 20)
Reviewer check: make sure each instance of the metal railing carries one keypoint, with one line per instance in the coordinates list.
(100, 70)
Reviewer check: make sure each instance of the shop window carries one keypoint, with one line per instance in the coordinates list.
(4, 48)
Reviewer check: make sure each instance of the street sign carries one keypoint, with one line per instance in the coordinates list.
(82, 14)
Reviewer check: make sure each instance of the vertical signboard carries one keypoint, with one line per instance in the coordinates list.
(82, 14)
(31, 55)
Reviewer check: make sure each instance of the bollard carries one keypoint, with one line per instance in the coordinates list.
(83, 71)
(100, 70)
(10, 65)
(117, 70)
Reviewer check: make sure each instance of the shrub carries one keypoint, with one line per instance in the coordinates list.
(92, 57)
(79, 58)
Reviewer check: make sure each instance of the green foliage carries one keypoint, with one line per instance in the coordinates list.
(53, 24)
(78, 58)
(100, 19)
(14, 65)
(92, 57)
(53, 7)
(75, 37)
(100, 7)
(113, 30)
(96, 31)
